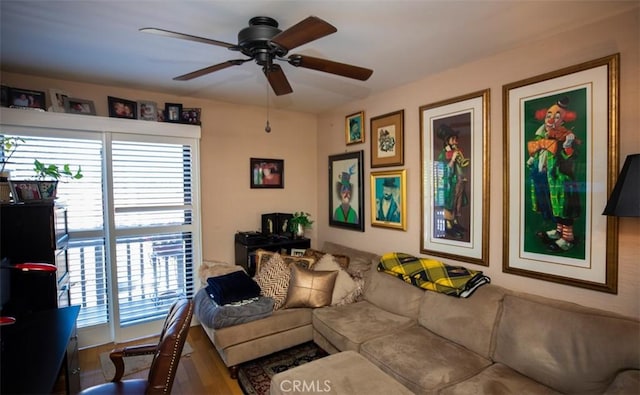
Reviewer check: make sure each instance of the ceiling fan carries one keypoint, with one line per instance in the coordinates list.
(263, 42)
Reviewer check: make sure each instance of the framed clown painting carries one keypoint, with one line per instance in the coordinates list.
(455, 178)
(560, 130)
(346, 190)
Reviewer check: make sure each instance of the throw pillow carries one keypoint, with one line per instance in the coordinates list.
(343, 260)
(273, 279)
(310, 288)
(232, 287)
(263, 256)
(344, 285)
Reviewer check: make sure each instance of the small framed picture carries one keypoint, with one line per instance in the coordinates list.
(191, 115)
(74, 105)
(24, 98)
(57, 100)
(297, 251)
(266, 173)
(354, 128)
(122, 108)
(389, 199)
(24, 191)
(147, 110)
(172, 112)
(387, 139)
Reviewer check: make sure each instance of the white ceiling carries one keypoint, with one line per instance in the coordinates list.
(402, 41)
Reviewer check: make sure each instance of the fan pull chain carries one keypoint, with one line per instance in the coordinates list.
(267, 128)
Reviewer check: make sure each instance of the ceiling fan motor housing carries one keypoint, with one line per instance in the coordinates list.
(254, 41)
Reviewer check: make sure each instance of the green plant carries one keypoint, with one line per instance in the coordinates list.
(52, 171)
(9, 146)
(300, 218)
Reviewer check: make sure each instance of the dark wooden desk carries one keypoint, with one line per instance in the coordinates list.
(34, 348)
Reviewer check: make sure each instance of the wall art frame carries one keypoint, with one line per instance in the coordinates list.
(122, 108)
(346, 190)
(74, 105)
(389, 199)
(266, 173)
(561, 128)
(173, 112)
(454, 150)
(147, 110)
(57, 97)
(354, 128)
(27, 98)
(387, 139)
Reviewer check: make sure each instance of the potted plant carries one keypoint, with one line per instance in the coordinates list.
(49, 175)
(299, 222)
(9, 146)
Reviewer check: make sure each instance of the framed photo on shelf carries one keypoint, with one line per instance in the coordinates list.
(191, 115)
(389, 199)
(172, 112)
(57, 99)
(24, 191)
(346, 194)
(561, 134)
(24, 98)
(74, 105)
(354, 128)
(297, 251)
(266, 173)
(387, 139)
(122, 108)
(454, 146)
(147, 110)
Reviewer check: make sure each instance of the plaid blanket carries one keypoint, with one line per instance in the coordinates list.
(432, 275)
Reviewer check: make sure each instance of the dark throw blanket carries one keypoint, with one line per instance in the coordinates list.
(432, 275)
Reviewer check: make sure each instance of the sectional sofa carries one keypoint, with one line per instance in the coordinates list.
(495, 341)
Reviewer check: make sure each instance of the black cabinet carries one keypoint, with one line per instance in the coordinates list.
(246, 248)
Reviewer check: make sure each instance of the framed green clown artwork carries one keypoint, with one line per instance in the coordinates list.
(560, 130)
(346, 190)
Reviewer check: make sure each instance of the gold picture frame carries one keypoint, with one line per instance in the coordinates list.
(354, 128)
(387, 139)
(560, 129)
(454, 150)
(389, 199)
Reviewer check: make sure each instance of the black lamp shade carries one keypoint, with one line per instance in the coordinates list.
(625, 197)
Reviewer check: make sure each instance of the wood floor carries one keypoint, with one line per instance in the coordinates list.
(201, 372)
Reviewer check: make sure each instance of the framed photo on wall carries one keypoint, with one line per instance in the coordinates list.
(147, 110)
(57, 99)
(454, 145)
(266, 173)
(25, 98)
(389, 199)
(387, 139)
(346, 190)
(172, 112)
(354, 128)
(122, 108)
(561, 134)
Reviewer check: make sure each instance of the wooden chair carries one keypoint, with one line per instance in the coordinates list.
(166, 355)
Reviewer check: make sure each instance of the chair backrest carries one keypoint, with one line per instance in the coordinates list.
(174, 334)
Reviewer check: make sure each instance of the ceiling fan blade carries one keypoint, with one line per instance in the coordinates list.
(210, 69)
(277, 80)
(303, 32)
(169, 33)
(329, 66)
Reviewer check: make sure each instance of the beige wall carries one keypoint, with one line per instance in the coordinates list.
(620, 34)
(231, 134)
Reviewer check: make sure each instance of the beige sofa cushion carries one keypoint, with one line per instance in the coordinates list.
(421, 360)
(392, 294)
(466, 321)
(565, 348)
(347, 327)
(279, 321)
(498, 379)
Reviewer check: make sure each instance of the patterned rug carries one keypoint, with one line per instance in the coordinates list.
(254, 376)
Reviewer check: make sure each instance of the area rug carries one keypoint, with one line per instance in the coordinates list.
(255, 376)
(132, 364)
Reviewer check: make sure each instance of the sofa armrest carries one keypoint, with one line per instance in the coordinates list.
(626, 382)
